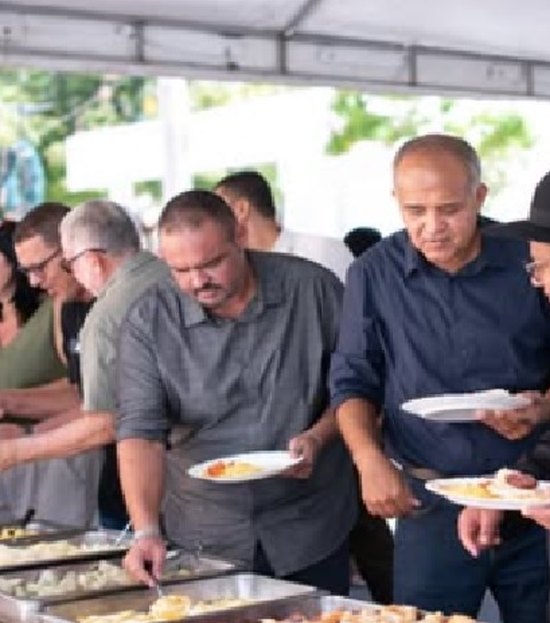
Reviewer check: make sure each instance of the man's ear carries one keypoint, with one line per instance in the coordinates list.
(241, 209)
(100, 263)
(481, 194)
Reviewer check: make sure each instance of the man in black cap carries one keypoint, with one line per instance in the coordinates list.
(479, 529)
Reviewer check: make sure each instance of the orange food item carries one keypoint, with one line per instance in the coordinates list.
(231, 469)
(215, 470)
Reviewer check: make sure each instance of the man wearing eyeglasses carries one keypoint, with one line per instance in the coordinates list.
(59, 491)
(101, 250)
(38, 249)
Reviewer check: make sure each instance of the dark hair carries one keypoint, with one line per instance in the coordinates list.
(360, 239)
(443, 143)
(252, 186)
(43, 221)
(25, 297)
(193, 207)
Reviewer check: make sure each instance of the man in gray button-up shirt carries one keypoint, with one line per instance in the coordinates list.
(236, 351)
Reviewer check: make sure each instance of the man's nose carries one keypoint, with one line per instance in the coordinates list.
(433, 223)
(199, 278)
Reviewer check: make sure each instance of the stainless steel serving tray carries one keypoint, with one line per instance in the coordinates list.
(14, 610)
(97, 538)
(189, 567)
(256, 588)
(41, 530)
(306, 606)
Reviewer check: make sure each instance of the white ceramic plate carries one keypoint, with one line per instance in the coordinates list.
(505, 502)
(270, 463)
(463, 407)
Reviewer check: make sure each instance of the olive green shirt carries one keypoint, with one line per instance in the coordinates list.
(31, 358)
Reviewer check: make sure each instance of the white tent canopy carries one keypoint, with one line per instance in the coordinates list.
(488, 47)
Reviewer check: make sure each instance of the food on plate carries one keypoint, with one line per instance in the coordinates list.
(506, 484)
(167, 608)
(509, 482)
(231, 469)
(379, 614)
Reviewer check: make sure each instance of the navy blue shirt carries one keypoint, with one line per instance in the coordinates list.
(411, 330)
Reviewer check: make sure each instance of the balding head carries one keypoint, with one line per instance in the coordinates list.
(434, 145)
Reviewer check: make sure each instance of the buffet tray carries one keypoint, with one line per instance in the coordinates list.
(104, 543)
(293, 608)
(308, 606)
(37, 531)
(188, 568)
(250, 586)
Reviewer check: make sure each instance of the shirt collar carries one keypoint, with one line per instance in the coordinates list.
(490, 256)
(414, 261)
(269, 293)
(129, 265)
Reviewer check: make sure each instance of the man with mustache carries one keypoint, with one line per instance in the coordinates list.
(233, 358)
(441, 307)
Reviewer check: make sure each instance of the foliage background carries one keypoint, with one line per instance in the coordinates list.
(47, 107)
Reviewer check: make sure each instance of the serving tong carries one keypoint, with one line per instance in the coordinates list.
(176, 559)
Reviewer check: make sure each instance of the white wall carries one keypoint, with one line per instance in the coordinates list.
(322, 194)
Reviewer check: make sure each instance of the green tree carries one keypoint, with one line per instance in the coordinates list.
(207, 94)
(496, 135)
(47, 107)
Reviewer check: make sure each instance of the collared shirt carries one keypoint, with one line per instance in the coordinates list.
(329, 252)
(99, 336)
(98, 357)
(238, 385)
(411, 330)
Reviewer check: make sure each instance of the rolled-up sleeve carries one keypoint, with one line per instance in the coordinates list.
(141, 397)
(357, 365)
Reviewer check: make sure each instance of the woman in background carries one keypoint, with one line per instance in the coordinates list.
(18, 300)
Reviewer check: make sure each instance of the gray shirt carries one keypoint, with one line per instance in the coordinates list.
(99, 335)
(250, 383)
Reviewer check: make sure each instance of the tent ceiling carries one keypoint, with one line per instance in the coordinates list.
(491, 47)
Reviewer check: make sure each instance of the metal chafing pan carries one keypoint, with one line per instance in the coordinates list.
(35, 531)
(249, 586)
(295, 607)
(184, 567)
(14, 610)
(104, 542)
(307, 606)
